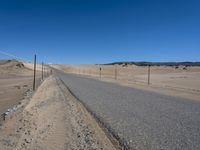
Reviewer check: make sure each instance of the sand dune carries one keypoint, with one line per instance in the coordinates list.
(15, 80)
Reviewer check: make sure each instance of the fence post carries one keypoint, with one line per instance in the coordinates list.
(149, 74)
(100, 72)
(34, 73)
(42, 70)
(47, 70)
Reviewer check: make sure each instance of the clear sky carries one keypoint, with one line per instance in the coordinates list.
(101, 31)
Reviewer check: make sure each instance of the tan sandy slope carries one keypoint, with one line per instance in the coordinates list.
(15, 80)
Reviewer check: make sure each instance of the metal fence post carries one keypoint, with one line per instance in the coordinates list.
(34, 73)
(42, 70)
(100, 72)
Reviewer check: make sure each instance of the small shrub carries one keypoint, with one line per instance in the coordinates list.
(185, 68)
(176, 67)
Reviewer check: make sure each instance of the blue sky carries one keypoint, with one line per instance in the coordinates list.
(101, 31)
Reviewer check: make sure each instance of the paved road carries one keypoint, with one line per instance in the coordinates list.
(143, 120)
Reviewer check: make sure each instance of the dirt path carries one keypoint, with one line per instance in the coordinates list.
(52, 120)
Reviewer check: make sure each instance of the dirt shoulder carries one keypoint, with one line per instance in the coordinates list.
(52, 119)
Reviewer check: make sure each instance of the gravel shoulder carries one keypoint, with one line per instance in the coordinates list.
(52, 119)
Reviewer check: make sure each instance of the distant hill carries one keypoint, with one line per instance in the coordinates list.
(144, 63)
(11, 64)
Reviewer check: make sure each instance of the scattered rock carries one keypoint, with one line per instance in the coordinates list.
(25, 85)
(20, 65)
(27, 141)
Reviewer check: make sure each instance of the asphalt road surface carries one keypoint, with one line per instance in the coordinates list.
(142, 120)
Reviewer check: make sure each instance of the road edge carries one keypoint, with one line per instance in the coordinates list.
(114, 139)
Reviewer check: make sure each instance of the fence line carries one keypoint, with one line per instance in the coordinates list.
(44, 66)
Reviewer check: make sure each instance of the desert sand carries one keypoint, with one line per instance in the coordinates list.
(15, 80)
(176, 81)
(52, 120)
(38, 66)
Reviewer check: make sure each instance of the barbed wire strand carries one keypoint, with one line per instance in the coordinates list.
(14, 56)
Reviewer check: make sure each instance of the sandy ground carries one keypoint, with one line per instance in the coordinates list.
(52, 120)
(181, 81)
(15, 80)
(38, 66)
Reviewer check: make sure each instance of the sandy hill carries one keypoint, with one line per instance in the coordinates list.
(12, 67)
(15, 80)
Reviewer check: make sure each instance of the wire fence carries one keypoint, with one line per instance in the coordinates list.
(169, 77)
(42, 69)
(172, 77)
(31, 64)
